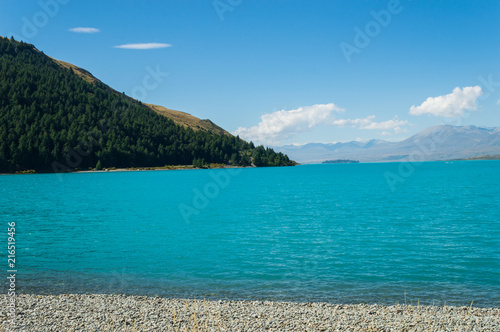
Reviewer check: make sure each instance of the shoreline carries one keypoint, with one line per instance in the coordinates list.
(137, 313)
(134, 169)
(145, 169)
(191, 167)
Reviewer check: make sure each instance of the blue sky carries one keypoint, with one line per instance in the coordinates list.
(283, 72)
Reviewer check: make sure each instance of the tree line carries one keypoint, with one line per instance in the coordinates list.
(53, 120)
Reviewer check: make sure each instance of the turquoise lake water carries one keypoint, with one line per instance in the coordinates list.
(345, 233)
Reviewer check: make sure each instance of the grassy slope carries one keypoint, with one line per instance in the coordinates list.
(78, 71)
(187, 120)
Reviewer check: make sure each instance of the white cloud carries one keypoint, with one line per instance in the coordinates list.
(276, 126)
(84, 30)
(361, 122)
(368, 123)
(450, 105)
(143, 46)
(498, 102)
(395, 124)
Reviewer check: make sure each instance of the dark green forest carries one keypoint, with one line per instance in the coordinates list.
(52, 120)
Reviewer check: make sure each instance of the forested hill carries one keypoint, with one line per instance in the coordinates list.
(52, 119)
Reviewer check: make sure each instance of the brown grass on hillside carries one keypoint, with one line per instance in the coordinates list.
(187, 120)
(87, 76)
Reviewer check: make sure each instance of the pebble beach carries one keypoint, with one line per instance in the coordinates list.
(141, 313)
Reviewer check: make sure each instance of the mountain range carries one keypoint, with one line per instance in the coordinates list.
(442, 142)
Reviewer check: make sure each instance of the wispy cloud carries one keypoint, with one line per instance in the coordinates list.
(450, 105)
(277, 126)
(84, 30)
(143, 46)
(395, 124)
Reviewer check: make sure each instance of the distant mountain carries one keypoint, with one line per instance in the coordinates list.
(55, 116)
(441, 142)
(493, 139)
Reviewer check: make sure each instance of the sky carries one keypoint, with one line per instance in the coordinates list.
(283, 72)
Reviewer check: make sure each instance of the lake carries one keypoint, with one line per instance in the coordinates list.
(343, 233)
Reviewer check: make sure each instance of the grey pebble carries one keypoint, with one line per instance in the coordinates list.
(140, 313)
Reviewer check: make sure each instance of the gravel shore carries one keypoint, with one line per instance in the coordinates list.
(140, 313)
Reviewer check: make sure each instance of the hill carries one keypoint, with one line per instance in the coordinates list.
(442, 142)
(180, 118)
(55, 116)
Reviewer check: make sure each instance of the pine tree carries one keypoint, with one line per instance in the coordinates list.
(98, 166)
